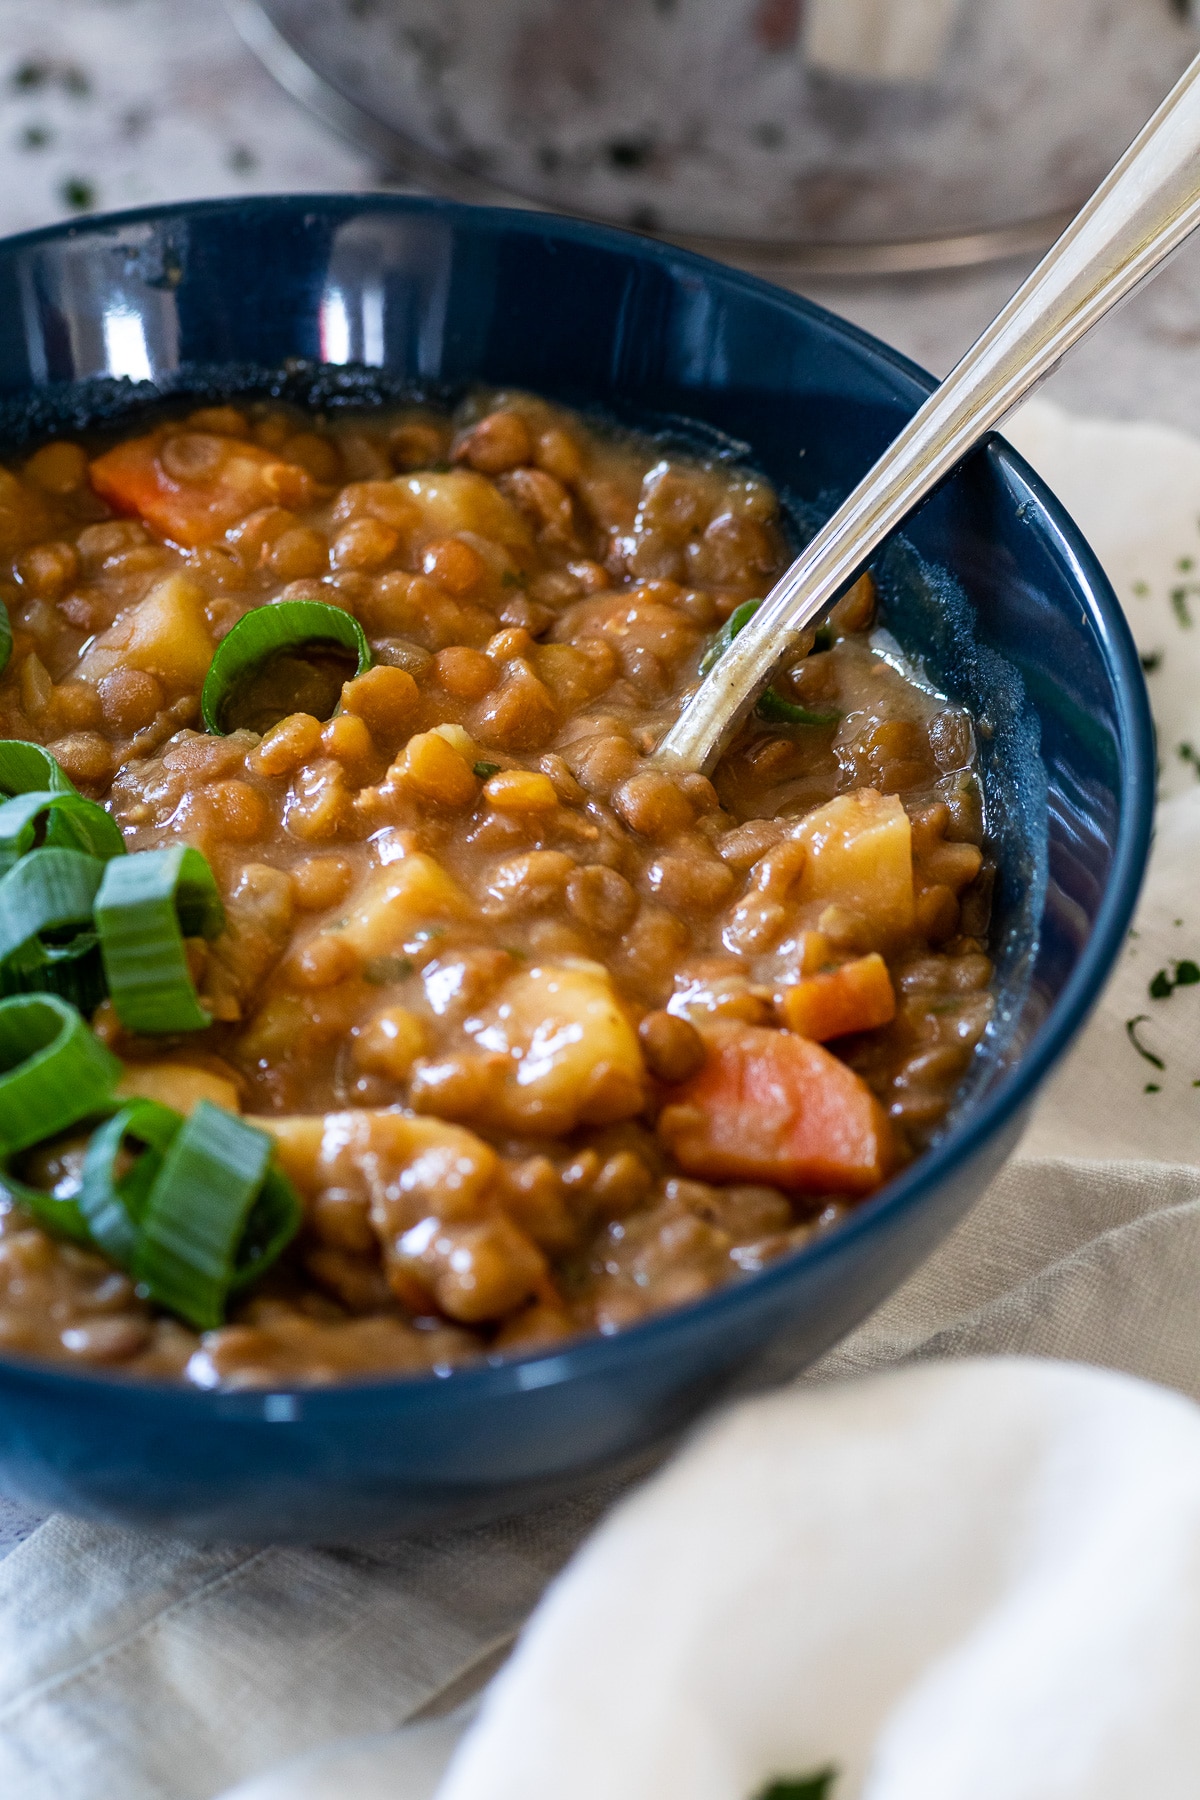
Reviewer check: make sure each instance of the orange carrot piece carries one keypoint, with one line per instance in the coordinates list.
(773, 1107)
(857, 997)
(231, 479)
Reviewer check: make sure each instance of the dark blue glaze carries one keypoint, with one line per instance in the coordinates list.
(1024, 627)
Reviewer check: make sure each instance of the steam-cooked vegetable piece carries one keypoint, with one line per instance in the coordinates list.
(770, 1106)
(180, 1086)
(858, 996)
(573, 1056)
(461, 500)
(860, 860)
(166, 635)
(192, 486)
(447, 1243)
(396, 902)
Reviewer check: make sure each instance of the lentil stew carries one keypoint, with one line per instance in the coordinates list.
(545, 1039)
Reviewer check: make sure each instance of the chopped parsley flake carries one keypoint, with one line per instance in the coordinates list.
(801, 1787)
(1187, 974)
(79, 195)
(1151, 660)
(1131, 1026)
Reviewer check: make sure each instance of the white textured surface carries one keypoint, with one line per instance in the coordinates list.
(114, 103)
(978, 1579)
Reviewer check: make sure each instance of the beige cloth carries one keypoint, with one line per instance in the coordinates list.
(136, 1669)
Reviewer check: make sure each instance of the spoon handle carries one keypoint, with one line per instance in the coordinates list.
(1140, 213)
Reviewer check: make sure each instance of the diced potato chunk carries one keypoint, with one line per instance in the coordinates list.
(407, 1169)
(461, 500)
(859, 859)
(180, 1085)
(574, 1054)
(395, 902)
(166, 635)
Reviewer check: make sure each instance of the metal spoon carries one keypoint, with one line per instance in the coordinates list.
(1138, 216)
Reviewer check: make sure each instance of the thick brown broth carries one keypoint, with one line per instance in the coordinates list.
(549, 1039)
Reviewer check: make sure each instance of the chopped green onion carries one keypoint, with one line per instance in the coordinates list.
(770, 706)
(216, 1216)
(777, 711)
(57, 1213)
(268, 631)
(28, 768)
(45, 915)
(741, 615)
(64, 820)
(147, 904)
(53, 1072)
(111, 1205)
(485, 770)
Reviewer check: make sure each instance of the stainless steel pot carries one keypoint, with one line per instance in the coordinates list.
(826, 135)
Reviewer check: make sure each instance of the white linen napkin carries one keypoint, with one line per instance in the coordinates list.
(138, 1669)
(973, 1579)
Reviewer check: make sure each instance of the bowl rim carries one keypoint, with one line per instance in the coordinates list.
(593, 1352)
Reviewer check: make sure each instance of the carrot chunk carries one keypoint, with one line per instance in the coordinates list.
(191, 487)
(857, 997)
(770, 1106)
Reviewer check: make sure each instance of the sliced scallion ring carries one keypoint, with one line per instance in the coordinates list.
(147, 904)
(64, 820)
(741, 615)
(216, 1216)
(53, 1072)
(770, 705)
(112, 1205)
(776, 710)
(28, 768)
(45, 908)
(269, 632)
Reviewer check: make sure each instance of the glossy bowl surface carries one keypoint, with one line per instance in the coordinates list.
(348, 300)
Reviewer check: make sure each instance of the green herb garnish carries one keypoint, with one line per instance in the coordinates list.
(485, 770)
(1131, 1026)
(1187, 974)
(801, 1787)
(273, 639)
(771, 705)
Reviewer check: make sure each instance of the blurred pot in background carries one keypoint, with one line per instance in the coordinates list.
(828, 134)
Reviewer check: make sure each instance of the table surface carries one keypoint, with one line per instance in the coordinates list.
(116, 103)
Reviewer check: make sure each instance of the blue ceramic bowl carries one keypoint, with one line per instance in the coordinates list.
(351, 299)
